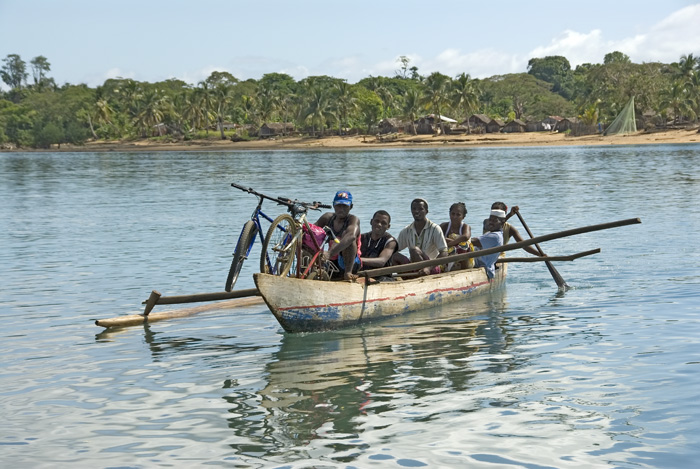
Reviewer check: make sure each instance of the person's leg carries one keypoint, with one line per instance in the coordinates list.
(349, 254)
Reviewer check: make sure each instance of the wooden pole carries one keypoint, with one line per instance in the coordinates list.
(395, 269)
(548, 259)
(200, 297)
(561, 283)
(138, 319)
(151, 302)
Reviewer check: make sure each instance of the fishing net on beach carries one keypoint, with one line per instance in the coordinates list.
(625, 122)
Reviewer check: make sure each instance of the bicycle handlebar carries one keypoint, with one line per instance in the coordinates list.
(293, 205)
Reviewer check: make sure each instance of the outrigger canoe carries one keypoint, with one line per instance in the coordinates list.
(308, 305)
(302, 305)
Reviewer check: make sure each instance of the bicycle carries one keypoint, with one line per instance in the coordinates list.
(297, 246)
(250, 232)
(248, 235)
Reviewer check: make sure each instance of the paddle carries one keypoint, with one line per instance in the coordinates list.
(561, 283)
(508, 247)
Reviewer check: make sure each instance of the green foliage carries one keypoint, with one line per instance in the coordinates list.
(525, 95)
(370, 107)
(14, 71)
(616, 57)
(553, 69)
(42, 114)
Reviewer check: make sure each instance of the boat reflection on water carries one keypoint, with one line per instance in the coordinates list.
(322, 385)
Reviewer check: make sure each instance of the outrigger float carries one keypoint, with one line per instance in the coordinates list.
(302, 305)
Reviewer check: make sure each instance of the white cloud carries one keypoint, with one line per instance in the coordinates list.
(676, 35)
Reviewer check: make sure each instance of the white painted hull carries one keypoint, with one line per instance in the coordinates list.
(310, 305)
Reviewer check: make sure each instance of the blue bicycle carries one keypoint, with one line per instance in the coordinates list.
(270, 259)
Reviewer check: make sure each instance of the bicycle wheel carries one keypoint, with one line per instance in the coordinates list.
(243, 247)
(279, 247)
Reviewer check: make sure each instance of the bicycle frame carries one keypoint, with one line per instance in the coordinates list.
(255, 217)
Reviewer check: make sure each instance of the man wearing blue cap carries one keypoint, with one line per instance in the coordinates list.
(346, 228)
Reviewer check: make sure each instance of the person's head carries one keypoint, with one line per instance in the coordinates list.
(419, 209)
(381, 221)
(495, 220)
(342, 203)
(457, 212)
(499, 206)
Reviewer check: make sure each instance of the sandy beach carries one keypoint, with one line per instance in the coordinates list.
(401, 141)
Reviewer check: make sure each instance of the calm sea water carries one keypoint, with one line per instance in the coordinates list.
(606, 374)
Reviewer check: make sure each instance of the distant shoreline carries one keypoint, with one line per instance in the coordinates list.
(530, 139)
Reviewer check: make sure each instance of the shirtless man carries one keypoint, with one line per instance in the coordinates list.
(423, 238)
(377, 245)
(346, 228)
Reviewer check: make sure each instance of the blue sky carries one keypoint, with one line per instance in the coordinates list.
(88, 41)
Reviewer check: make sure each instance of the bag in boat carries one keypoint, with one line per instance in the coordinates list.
(317, 233)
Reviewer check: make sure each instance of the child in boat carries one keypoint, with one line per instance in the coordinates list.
(458, 235)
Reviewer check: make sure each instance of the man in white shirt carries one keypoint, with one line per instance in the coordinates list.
(423, 238)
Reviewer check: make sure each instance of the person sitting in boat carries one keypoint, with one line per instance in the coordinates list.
(377, 245)
(491, 239)
(458, 236)
(346, 229)
(423, 238)
(509, 231)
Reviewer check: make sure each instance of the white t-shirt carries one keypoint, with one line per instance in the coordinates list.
(431, 240)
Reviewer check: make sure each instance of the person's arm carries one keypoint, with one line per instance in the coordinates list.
(323, 220)
(466, 234)
(383, 256)
(349, 237)
(516, 236)
(440, 243)
(450, 242)
(513, 210)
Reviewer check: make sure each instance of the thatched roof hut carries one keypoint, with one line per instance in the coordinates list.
(272, 129)
(515, 125)
(391, 125)
(494, 126)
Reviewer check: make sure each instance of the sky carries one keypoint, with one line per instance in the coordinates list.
(89, 41)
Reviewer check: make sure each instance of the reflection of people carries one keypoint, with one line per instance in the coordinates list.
(346, 228)
(458, 234)
(377, 245)
(491, 239)
(423, 238)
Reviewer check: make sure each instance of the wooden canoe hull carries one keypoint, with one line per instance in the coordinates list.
(309, 305)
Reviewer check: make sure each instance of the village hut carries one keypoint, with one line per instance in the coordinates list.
(494, 126)
(567, 123)
(425, 126)
(515, 125)
(391, 125)
(477, 123)
(273, 129)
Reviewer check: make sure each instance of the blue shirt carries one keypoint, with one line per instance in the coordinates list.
(489, 240)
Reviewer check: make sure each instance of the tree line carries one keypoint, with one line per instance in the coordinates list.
(36, 112)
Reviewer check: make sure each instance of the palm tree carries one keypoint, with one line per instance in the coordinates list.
(100, 114)
(677, 99)
(268, 103)
(222, 99)
(151, 109)
(465, 93)
(317, 106)
(344, 102)
(411, 107)
(203, 98)
(435, 94)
